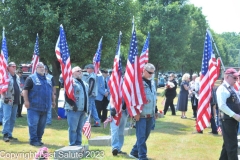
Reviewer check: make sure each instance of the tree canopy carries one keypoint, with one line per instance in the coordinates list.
(177, 30)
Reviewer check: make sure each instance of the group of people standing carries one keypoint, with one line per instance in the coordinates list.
(37, 94)
(92, 96)
(225, 108)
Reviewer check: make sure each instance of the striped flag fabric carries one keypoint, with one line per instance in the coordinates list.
(219, 130)
(97, 57)
(4, 79)
(115, 84)
(105, 123)
(63, 57)
(144, 55)
(132, 88)
(207, 80)
(35, 58)
(86, 130)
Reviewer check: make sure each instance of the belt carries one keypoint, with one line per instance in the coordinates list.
(147, 116)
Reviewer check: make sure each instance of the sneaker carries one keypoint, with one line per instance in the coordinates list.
(213, 133)
(133, 156)
(5, 138)
(121, 152)
(115, 152)
(12, 138)
(41, 143)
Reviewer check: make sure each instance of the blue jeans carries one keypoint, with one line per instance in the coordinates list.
(75, 121)
(49, 116)
(9, 118)
(117, 132)
(1, 112)
(36, 124)
(143, 129)
(93, 110)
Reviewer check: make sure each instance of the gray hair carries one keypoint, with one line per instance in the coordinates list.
(40, 64)
(149, 66)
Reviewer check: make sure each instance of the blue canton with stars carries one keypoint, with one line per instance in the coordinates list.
(98, 53)
(145, 47)
(206, 53)
(133, 48)
(36, 47)
(4, 48)
(63, 46)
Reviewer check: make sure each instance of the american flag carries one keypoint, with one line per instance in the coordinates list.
(4, 80)
(109, 119)
(207, 80)
(219, 130)
(97, 57)
(144, 55)
(87, 128)
(35, 58)
(63, 57)
(133, 89)
(115, 84)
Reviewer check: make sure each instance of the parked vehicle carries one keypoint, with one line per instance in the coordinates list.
(161, 82)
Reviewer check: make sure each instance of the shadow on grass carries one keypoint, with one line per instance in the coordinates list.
(173, 128)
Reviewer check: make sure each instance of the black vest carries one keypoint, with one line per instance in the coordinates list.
(232, 102)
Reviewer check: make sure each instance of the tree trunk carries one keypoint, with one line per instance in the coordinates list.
(56, 71)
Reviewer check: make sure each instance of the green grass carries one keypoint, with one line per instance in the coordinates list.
(172, 139)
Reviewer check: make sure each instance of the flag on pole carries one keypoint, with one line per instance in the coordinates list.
(115, 84)
(87, 128)
(207, 80)
(4, 80)
(63, 57)
(132, 88)
(144, 55)
(219, 130)
(105, 123)
(35, 58)
(97, 57)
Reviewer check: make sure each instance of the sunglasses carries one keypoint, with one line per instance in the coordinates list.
(79, 71)
(235, 78)
(149, 72)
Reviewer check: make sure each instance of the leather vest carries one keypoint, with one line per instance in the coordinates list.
(40, 96)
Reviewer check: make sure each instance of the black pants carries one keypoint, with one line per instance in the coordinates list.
(230, 142)
(169, 102)
(212, 121)
(194, 102)
(102, 107)
(19, 111)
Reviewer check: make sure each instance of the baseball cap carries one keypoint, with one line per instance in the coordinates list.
(89, 66)
(104, 71)
(232, 71)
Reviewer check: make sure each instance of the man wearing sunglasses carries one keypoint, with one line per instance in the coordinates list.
(144, 120)
(229, 104)
(76, 110)
(10, 101)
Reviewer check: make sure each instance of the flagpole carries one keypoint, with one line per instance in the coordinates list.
(218, 53)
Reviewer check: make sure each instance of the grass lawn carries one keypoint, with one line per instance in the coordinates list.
(172, 139)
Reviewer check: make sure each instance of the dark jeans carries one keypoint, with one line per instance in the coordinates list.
(19, 111)
(102, 108)
(230, 142)
(169, 102)
(212, 121)
(143, 129)
(36, 125)
(194, 102)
